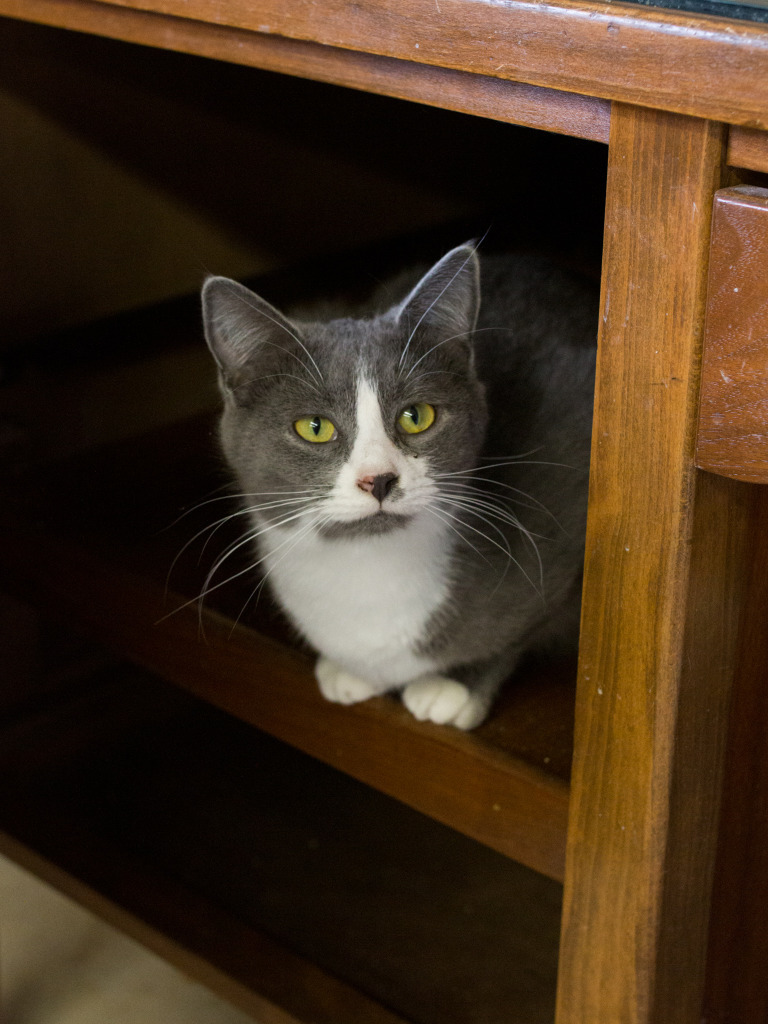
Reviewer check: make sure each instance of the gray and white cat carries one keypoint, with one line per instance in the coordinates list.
(415, 481)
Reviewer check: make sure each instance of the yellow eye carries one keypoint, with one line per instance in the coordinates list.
(417, 418)
(315, 428)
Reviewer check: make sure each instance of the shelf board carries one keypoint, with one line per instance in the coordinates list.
(288, 887)
(95, 542)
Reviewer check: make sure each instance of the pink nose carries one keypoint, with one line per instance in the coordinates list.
(379, 486)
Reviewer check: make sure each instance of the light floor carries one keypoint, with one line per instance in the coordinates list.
(60, 965)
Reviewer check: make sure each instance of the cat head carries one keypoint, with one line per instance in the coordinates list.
(363, 416)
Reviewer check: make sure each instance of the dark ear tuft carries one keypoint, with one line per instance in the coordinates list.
(448, 296)
(238, 323)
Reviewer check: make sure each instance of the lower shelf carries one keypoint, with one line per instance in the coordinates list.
(290, 888)
(94, 541)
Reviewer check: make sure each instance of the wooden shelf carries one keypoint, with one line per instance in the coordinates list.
(304, 895)
(95, 545)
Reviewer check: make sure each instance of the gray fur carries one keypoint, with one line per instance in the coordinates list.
(511, 375)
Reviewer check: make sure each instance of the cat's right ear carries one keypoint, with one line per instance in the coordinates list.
(238, 324)
(448, 296)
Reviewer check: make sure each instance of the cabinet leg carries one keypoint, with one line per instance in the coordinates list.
(666, 547)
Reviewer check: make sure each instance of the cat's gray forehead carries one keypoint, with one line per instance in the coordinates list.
(349, 346)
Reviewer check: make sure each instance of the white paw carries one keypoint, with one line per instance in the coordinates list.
(441, 700)
(339, 686)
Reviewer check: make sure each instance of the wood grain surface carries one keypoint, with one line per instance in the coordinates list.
(708, 67)
(565, 113)
(662, 596)
(733, 414)
(748, 148)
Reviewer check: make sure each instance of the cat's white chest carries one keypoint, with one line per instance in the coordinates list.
(365, 602)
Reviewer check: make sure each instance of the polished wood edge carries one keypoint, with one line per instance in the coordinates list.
(514, 808)
(532, 106)
(658, 602)
(748, 149)
(155, 910)
(704, 66)
(732, 438)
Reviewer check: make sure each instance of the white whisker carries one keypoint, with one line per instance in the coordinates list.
(505, 549)
(267, 506)
(209, 587)
(493, 462)
(212, 528)
(319, 521)
(249, 538)
(438, 515)
(496, 505)
(240, 496)
(484, 507)
(471, 488)
(457, 505)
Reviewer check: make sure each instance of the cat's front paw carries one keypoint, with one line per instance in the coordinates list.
(444, 701)
(340, 686)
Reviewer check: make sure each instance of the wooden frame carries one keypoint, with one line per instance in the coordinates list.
(655, 651)
(702, 66)
(707, 67)
(668, 545)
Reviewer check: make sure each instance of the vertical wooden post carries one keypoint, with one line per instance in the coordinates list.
(662, 595)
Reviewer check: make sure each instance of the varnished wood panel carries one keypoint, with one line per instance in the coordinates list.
(748, 148)
(709, 67)
(733, 415)
(586, 117)
(662, 596)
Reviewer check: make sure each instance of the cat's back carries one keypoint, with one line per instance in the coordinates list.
(535, 347)
(542, 305)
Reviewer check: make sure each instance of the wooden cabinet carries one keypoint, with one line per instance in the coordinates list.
(671, 629)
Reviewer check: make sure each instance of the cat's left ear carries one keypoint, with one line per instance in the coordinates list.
(448, 296)
(239, 324)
